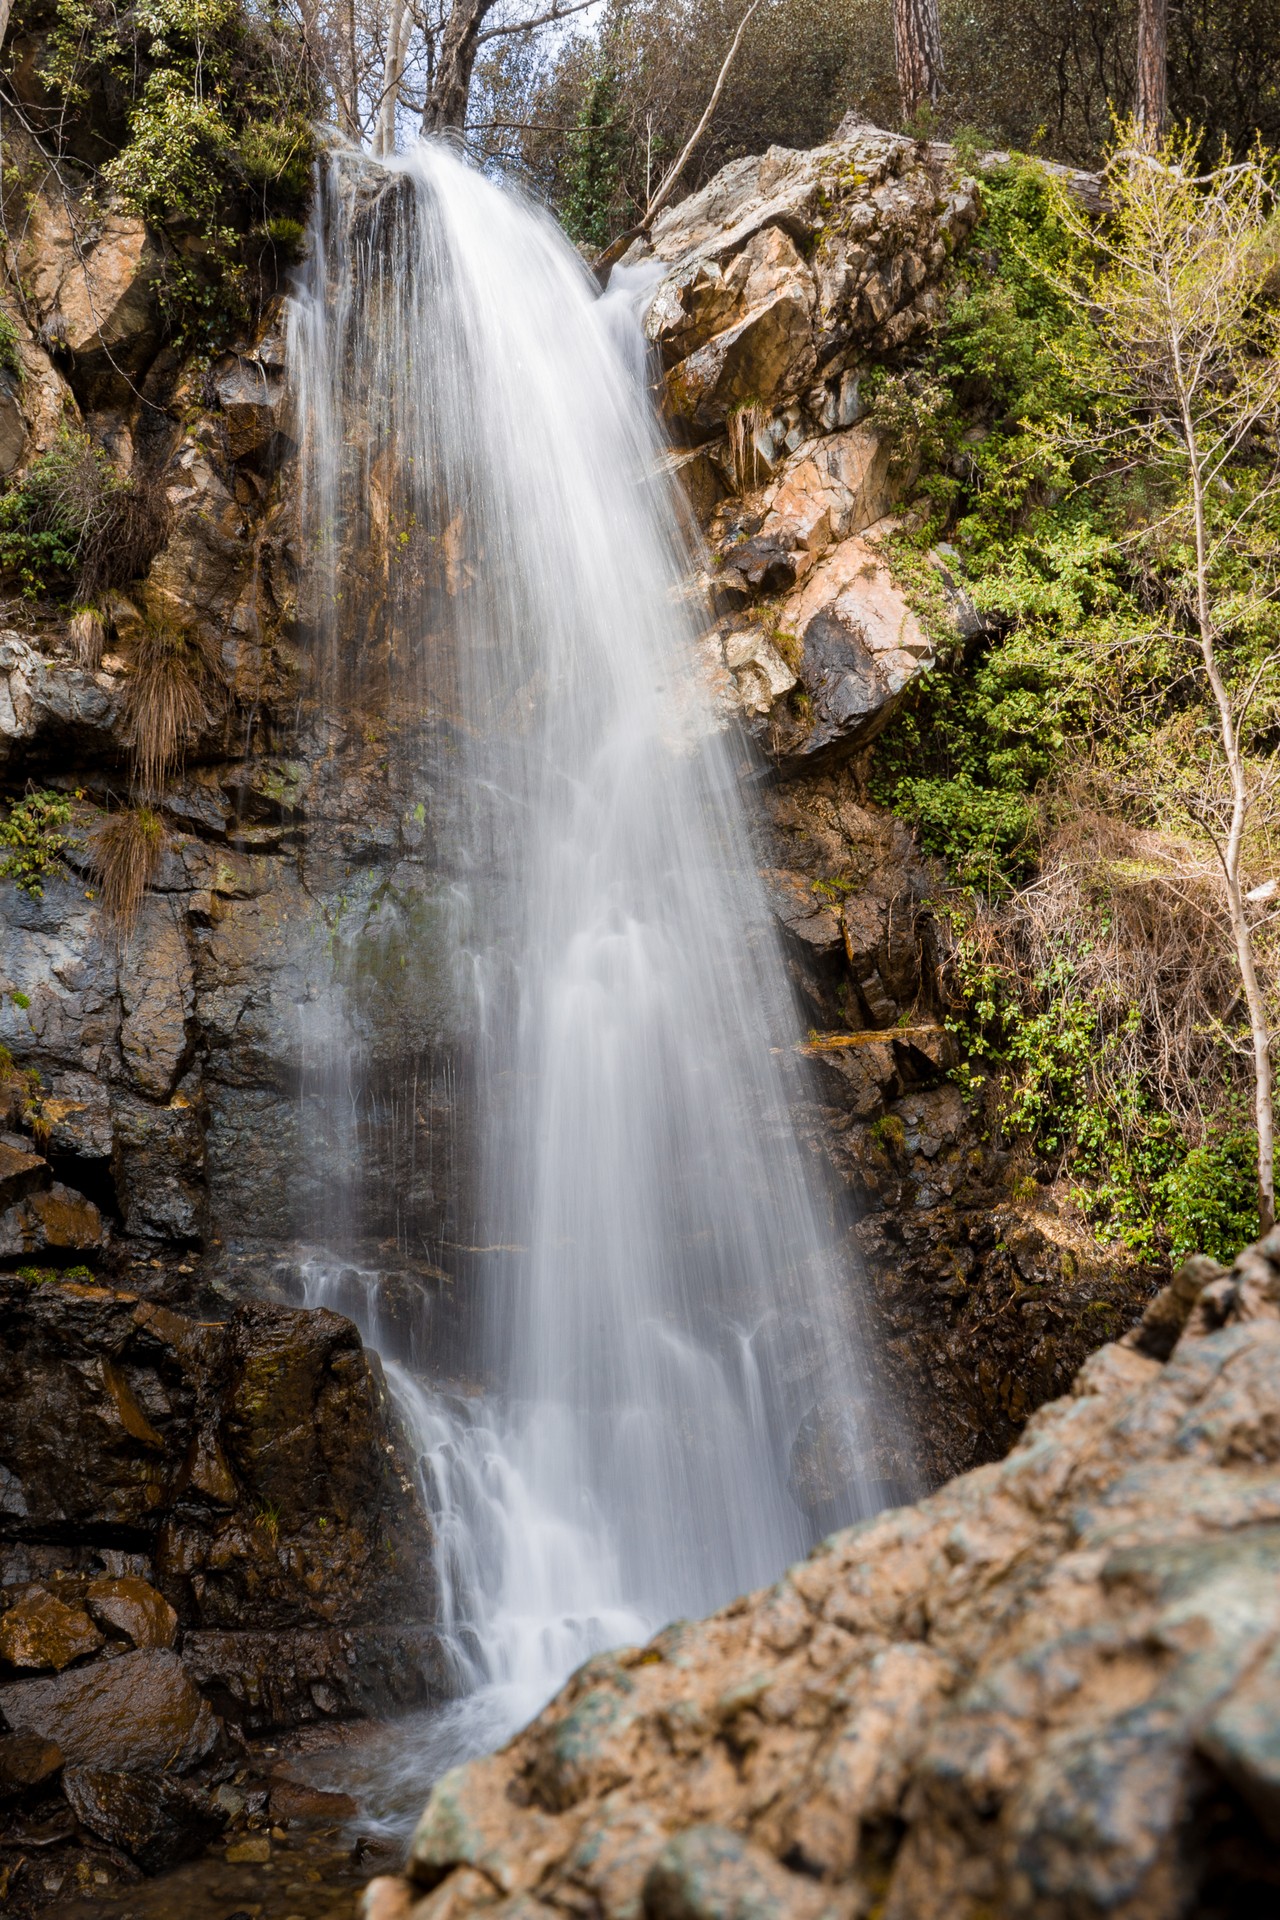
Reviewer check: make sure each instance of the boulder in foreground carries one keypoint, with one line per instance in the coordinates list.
(1052, 1689)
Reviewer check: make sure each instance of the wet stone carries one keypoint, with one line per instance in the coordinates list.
(156, 1821)
(134, 1610)
(41, 1632)
(137, 1711)
(26, 1761)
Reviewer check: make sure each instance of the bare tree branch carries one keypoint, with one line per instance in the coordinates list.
(539, 20)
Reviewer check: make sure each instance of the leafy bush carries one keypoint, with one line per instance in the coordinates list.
(1209, 1198)
(35, 835)
(207, 108)
(1094, 994)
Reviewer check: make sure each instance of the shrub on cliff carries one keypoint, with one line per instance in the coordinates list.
(1063, 771)
(195, 114)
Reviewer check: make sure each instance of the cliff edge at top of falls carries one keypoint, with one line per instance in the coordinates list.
(1051, 1689)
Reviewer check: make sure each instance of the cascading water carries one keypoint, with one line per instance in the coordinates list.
(658, 1303)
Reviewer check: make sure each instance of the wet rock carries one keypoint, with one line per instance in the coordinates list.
(828, 1455)
(252, 396)
(139, 1711)
(295, 1677)
(1035, 1691)
(254, 1466)
(761, 674)
(41, 1632)
(26, 1761)
(296, 1805)
(132, 1609)
(58, 1221)
(157, 1821)
(21, 1172)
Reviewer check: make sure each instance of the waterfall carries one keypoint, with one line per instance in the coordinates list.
(656, 1304)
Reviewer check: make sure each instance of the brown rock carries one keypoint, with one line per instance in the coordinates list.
(133, 1609)
(42, 1632)
(57, 1220)
(253, 1458)
(26, 1761)
(158, 1822)
(389, 1897)
(13, 427)
(137, 1712)
(253, 1852)
(20, 1173)
(295, 1805)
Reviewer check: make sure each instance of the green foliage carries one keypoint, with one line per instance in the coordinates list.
(209, 106)
(1079, 705)
(1209, 1198)
(36, 838)
(1020, 74)
(42, 522)
(964, 760)
(593, 174)
(10, 358)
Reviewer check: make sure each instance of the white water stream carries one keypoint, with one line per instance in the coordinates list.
(662, 1304)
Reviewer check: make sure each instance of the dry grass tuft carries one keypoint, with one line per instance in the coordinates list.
(173, 695)
(126, 850)
(124, 536)
(88, 632)
(1132, 922)
(745, 426)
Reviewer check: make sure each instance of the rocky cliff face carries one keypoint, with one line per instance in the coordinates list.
(207, 1533)
(177, 1074)
(784, 284)
(1052, 1689)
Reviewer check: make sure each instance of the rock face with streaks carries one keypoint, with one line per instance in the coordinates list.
(208, 1532)
(1052, 1689)
(233, 1488)
(162, 1075)
(784, 284)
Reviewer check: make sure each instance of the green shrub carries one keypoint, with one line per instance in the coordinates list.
(34, 833)
(207, 108)
(10, 358)
(1209, 1198)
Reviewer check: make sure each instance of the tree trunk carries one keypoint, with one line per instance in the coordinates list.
(1231, 853)
(917, 35)
(1153, 68)
(445, 110)
(399, 29)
